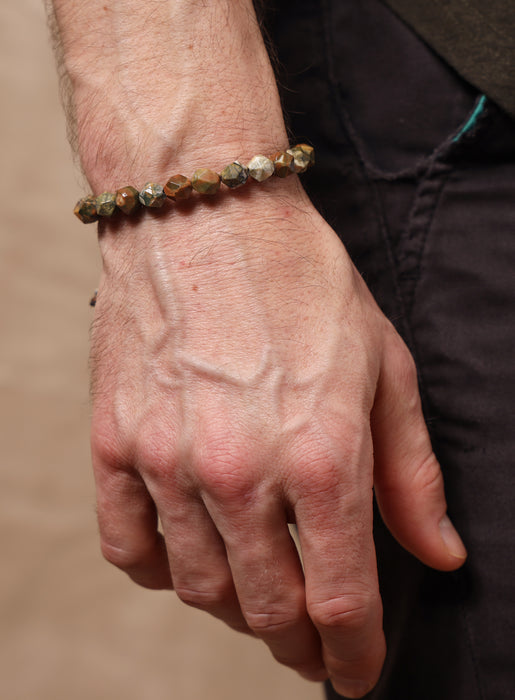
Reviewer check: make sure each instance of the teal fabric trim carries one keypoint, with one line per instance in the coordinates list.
(472, 119)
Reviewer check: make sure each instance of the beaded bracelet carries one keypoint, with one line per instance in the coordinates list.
(204, 181)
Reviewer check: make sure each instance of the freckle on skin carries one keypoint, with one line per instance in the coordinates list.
(195, 288)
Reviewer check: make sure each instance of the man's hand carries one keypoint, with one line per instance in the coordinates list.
(244, 382)
(243, 376)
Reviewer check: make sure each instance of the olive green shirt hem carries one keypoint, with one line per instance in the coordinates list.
(476, 37)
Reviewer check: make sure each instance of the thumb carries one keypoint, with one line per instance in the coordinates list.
(407, 477)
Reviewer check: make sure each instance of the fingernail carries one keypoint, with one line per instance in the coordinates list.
(451, 539)
(352, 689)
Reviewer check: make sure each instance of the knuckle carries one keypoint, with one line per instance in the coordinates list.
(223, 470)
(320, 480)
(317, 466)
(122, 558)
(275, 617)
(270, 622)
(106, 449)
(428, 477)
(154, 451)
(153, 445)
(326, 464)
(350, 613)
(204, 597)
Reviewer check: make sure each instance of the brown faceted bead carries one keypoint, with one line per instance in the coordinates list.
(152, 196)
(106, 204)
(303, 157)
(178, 188)
(86, 209)
(283, 164)
(205, 181)
(309, 151)
(127, 199)
(234, 175)
(261, 168)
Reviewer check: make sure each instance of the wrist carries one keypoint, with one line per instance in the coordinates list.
(265, 221)
(144, 152)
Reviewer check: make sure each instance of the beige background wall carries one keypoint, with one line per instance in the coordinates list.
(71, 626)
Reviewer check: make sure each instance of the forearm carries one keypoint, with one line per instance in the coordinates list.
(166, 85)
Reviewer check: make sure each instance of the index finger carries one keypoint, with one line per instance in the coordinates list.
(334, 520)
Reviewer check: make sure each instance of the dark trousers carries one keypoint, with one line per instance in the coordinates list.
(416, 173)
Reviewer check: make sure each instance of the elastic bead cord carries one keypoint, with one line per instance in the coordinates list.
(203, 181)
